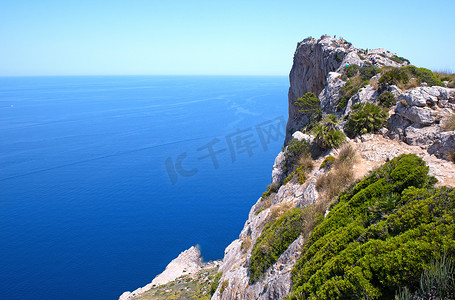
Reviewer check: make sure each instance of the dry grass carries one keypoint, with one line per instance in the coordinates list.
(333, 183)
(263, 204)
(449, 123)
(246, 244)
(412, 83)
(341, 175)
(313, 216)
(347, 154)
(374, 83)
(277, 211)
(306, 162)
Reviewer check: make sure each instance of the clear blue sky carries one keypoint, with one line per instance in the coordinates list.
(210, 37)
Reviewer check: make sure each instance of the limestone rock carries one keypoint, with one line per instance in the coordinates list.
(418, 135)
(313, 60)
(330, 95)
(443, 145)
(419, 115)
(278, 174)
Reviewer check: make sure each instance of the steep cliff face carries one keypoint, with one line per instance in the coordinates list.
(313, 60)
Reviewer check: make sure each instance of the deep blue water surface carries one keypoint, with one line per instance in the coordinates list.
(104, 180)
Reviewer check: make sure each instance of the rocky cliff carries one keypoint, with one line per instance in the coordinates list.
(415, 124)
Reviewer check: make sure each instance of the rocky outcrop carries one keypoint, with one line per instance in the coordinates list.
(313, 60)
(317, 68)
(188, 262)
(416, 118)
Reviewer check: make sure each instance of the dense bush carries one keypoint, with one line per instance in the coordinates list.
(381, 235)
(401, 77)
(423, 75)
(273, 241)
(351, 70)
(368, 71)
(394, 77)
(311, 105)
(446, 76)
(365, 117)
(326, 133)
(399, 59)
(387, 99)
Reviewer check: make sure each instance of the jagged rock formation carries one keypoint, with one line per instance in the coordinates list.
(317, 68)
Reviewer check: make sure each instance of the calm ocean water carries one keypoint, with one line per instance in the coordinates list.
(104, 180)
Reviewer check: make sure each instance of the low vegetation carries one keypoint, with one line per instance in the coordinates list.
(215, 283)
(399, 59)
(365, 118)
(356, 77)
(201, 285)
(387, 99)
(351, 87)
(327, 163)
(446, 76)
(274, 240)
(437, 281)
(326, 133)
(271, 188)
(381, 235)
(408, 77)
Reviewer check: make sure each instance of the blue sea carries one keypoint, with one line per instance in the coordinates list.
(104, 180)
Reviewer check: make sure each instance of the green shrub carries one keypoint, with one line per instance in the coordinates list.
(271, 188)
(273, 241)
(300, 172)
(224, 285)
(215, 283)
(326, 133)
(387, 99)
(298, 148)
(423, 75)
(399, 59)
(296, 151)
(351, 70)
(311, 105)
(354, 254)
(401, 76)
(368, 71)
(394, 77)
(365, 117)
(327, 163)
